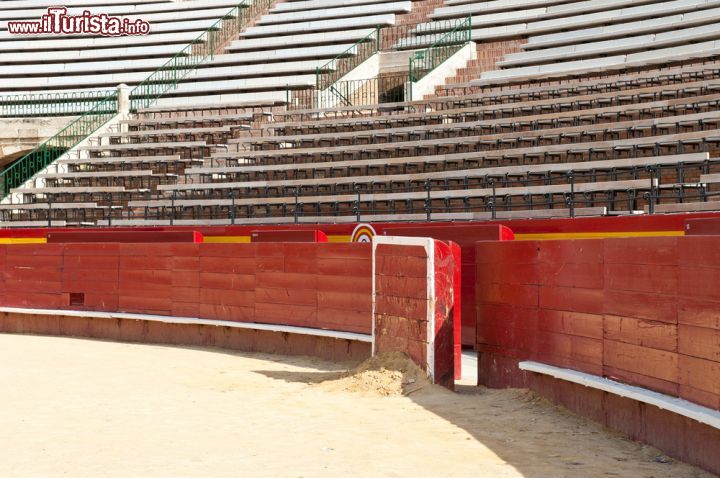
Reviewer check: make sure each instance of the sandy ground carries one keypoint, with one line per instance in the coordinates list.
(72, 407)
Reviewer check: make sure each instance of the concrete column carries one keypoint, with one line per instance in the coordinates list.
(123, 99)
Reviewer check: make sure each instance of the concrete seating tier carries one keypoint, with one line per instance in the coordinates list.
(708, 49)
(656, 74)
(537, 20)
(654, 25)
(466, 190)
(33, 9)
(290, 41)
(344, 11)
(626, 44)
(494, 108)
(451, 7)
(281, 51)
(560, 129)
(320, 25)
(202, 80)
(306, 5)
(568, 39)
(476, 145)
(615, 150)
(149, 150)
(25, 4)
(373, 176)
(94, 54)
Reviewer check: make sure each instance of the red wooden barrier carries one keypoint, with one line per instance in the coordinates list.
(413, 303)
(323, 285)
(644, 311)
(158, 236)
(702, 227)
(289, 235)
(465, 236)
(641, 310)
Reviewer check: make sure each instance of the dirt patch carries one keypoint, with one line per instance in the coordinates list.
(388, 374)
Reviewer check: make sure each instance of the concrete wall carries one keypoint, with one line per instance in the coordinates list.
(197, 334)
(20, 135)
(395, 61)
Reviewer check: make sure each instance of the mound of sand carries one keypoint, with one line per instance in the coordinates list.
(385, 374)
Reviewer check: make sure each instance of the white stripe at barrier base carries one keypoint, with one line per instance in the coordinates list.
(335, 334)
(680, 406)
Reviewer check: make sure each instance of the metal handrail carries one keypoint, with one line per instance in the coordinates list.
(397, 37)
(418, 35)
(199, 50)
(425, 61)
(367, 91)
(346, 101)
(52, 104)
(347, 60)
(49, 150)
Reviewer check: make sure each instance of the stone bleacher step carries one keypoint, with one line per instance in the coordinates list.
(419, 13)
(488, 54)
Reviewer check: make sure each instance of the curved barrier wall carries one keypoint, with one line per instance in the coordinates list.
(309, 285)
(643, 311)
(303, 285)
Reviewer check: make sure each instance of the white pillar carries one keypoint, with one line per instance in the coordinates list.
(123, 99)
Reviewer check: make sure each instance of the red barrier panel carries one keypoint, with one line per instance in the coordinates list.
(289, 235)
(108, 236)
(413, 303)
(320, 285)
(703, 227)
(457, 307)
(465, 236)
(644, 311)
(639, 310)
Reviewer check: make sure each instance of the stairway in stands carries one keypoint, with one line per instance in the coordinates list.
(488, 54)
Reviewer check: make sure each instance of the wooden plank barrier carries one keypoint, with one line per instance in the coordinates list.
(317, 285)
(414, 301)
(465, 236)
(640, 311)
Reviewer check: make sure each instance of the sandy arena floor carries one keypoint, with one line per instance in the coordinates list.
(82, 408)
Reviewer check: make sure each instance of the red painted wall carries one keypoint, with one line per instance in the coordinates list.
(465, 236)
(401, 303)
(404, 306)
(644, 311)
(304, 284)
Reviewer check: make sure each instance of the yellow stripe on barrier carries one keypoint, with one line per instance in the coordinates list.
(227, 239)
(23, 240)
(593, 235)
(339, 238)
(542, 236)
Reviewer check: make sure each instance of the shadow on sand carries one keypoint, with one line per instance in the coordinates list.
(537, 438)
